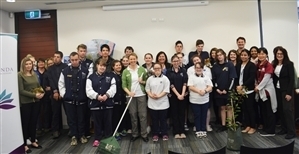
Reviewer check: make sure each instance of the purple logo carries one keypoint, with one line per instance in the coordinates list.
(5, 101)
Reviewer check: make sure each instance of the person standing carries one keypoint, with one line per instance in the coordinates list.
(246, 72)
(178, 85)
(133, 82)
(266, 92)
(85, 62)
(199, 51)
(53, 74)
(157, 87)
(71, 86)
(29, 102)
(119, 102)
(223, 75)
(199, 86)
(283, 80)
(105, 49)
(101, 88)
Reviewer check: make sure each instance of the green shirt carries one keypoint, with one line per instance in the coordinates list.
(126, 78)
(26, 85)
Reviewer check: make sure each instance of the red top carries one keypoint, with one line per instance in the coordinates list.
(265, 68)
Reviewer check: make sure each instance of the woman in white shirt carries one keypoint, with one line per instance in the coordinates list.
(199, 87)
(157, 87)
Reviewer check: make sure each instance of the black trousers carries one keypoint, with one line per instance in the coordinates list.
(76, 118)
(56, 115)
(29, 116)
(102, 123)
(268, 115)
(159, 121)
(249, 111)
(87, 120)
(286, 113)
(118, 110)
(177, 111)
(44, 118)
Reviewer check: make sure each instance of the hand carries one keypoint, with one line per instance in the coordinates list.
(239, 88)
(180, 97)
(256, 90)
(104, 97)
(201, 92)
(155, 96)
(224, 92)
(131, 94)
(48, 88)
(39, 95)
(219, 91)
(100, 98)
(186, 93)
(288, 97)
(140, 80)
(56, 96)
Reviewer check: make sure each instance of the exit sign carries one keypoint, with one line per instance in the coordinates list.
(32, 14)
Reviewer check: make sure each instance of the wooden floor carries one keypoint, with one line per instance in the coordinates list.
(191, 145)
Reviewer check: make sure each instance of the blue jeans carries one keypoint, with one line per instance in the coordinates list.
(200, 116)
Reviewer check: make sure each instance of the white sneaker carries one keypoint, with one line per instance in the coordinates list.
(194, 129)
(209, 128)
(199, 134)
(148, 129)
(204, 134)
(129, 131)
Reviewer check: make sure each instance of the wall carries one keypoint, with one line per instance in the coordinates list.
(36, 37)
(281, 27)
(218, 24)
(6, 23)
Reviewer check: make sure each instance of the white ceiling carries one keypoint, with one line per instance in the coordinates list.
(22, 5)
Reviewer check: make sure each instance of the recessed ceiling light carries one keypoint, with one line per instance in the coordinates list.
(10, 0)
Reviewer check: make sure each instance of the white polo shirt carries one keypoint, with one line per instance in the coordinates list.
(157, 85)
(206, 71)
(200, 83)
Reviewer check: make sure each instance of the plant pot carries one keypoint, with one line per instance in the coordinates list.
(234, 139)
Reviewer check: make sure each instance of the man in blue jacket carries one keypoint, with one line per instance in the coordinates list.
(71, 85)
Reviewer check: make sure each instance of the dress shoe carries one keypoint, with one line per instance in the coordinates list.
(28, 151)
(289, 136)
(36, 147)
(134, 138)
(56, 135)
(282, 132)
(145, 139)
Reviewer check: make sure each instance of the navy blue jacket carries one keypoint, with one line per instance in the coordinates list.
(54, 73)
(120, 95)
(101, 84)
(78, 95)
(203, 56)
(177, 80)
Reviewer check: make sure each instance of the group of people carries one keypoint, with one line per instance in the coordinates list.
(160, 94)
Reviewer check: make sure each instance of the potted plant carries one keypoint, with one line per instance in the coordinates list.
(234, 134)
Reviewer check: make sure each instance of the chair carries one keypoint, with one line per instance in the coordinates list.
(220, 151)
(286, 149)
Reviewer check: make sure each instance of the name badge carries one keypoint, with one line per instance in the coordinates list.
(69, 76)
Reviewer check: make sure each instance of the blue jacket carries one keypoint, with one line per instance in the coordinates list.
(78, 95)
(120, 95)
(101, 85)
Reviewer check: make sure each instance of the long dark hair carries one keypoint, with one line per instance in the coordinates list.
(286, 58)
(160, 53)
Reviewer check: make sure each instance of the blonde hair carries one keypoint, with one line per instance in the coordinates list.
(52, 59)
(23, 62)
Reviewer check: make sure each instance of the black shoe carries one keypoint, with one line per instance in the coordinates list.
(56, 135)
(145, 139)
(28, 151)
(222, 128)
(282, 132)
(265, 134)
(38, 147)
(134, 138)
(289, 136)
